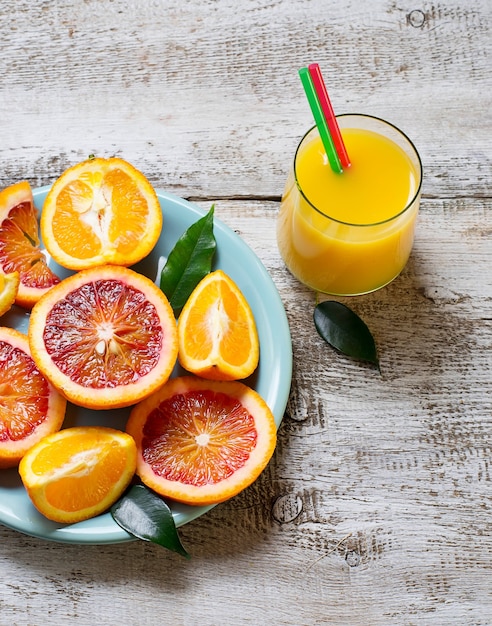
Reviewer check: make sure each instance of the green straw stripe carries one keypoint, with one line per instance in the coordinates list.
(324, 132)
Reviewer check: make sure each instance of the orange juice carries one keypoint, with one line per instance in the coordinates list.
(351, 233)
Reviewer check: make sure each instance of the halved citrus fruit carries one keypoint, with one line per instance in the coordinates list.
(79, 472)
(200, 441)
(217, 334)
(9, 286)
(30, 408)
(105, 337)
(20, 249)
(100, 211)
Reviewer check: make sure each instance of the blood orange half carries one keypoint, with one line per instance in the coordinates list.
(20, 249)
(201, 441)
(105, 337)
(30, 408)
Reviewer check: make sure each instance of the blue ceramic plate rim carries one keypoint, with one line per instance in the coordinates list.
(272, 379)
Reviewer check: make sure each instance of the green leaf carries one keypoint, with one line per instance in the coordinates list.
(146, 516)
(189, 261)
(345, 331)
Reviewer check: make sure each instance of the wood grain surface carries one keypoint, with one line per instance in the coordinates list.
(376, 507)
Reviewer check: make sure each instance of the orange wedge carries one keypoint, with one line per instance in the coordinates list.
(200, 441)
(20, 250)
(100, 211)
(217, 334)
(9, 287)
(79, 472)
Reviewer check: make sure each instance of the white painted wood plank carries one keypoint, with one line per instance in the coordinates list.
(207, 101)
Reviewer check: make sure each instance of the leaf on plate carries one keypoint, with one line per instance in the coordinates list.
(345, 331)
(146, 516)
(189, 261)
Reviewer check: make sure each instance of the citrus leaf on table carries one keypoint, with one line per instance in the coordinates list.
(146, 516)
(189, 261)
(345, 331)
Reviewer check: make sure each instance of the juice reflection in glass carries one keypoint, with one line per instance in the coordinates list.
(351, 233)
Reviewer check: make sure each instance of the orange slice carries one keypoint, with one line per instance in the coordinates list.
(79, 472)
(105, 337)
(30, 408)
(20, 250)
(217, 332)
(9, 286)
(100, 211)
(202, 442)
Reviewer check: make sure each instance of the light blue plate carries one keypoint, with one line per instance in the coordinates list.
(271, 380)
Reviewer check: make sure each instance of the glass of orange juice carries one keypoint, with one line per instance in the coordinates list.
(351, 233)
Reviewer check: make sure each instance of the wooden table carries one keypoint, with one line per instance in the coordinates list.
(376, 507)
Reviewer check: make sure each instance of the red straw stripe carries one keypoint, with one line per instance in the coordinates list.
(331, 120)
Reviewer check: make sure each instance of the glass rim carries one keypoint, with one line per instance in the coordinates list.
(387, 220)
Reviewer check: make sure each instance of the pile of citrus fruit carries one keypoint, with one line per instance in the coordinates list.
(106, 337)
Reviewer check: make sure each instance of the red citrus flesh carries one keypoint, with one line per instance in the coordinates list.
(29, 406)
(75, 326)
(206, 414)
